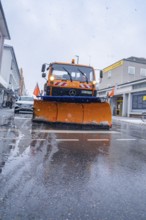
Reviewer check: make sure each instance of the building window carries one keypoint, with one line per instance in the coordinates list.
(109, 74)
(131, 70)
(142, 72)
(139, 86)
(139, 101)
(10, 79)
(12, 64)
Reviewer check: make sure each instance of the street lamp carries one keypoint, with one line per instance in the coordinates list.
(77, 58)
(89, 60)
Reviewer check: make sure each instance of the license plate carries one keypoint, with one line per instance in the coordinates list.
(86, 92)
(25, 106)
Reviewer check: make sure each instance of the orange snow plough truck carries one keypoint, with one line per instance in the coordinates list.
(70, 96)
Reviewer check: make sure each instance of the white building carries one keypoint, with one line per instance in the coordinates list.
(9, 75)
(4, 34)
(128, 79)
(22, 90)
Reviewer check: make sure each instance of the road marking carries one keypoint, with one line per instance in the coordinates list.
(13, 129)
(44, 139)
(61, 139)
(16, 138)
(37, 139)
(97, 139)
(75, 131)
(66, 131)
(124, 139)
(2, 138)
(67, 139)
(22, 118)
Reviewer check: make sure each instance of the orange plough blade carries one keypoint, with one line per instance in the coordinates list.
(73, 113)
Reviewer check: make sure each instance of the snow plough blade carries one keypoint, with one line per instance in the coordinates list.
(80, 110)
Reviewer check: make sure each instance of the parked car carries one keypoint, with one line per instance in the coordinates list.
(24, 103)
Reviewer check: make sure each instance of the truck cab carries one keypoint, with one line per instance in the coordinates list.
(70, 80)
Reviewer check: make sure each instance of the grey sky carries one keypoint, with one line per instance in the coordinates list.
(99, 31)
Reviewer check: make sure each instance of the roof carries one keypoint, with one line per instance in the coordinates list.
(3, 24)
(71, 64)
(113, 66)
(136, 59)
(140, 60)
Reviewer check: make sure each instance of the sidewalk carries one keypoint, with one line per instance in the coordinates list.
(5, 115)
(129, 120)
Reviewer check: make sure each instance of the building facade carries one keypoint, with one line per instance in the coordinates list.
(127, 78)
(10, 75)
(22, 90)
(4, 34)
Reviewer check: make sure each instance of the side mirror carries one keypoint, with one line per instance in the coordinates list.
(101, 74)
(43, 75)
(43, 68)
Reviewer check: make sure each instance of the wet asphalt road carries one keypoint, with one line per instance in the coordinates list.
(72, 174)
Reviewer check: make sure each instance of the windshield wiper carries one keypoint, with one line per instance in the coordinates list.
(68, 73)
(83, 75)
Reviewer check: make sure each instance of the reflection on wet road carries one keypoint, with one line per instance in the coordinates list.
(71, 174)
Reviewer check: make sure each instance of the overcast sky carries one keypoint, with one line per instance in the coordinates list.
(101, 32)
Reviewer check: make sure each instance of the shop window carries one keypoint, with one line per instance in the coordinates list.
(139, 101)
(131, 70)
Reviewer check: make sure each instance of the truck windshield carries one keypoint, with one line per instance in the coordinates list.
(73, 72)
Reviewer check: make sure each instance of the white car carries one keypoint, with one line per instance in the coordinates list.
(24, 103)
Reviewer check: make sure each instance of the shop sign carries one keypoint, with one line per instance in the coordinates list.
(113, 66)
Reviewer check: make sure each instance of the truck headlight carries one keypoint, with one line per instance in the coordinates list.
(52, 78)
